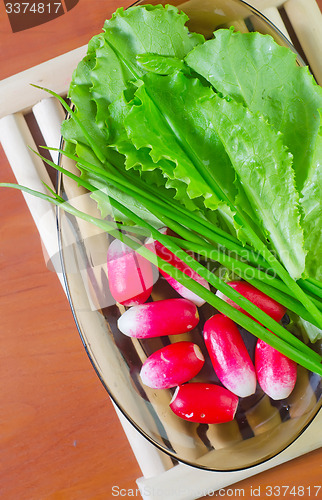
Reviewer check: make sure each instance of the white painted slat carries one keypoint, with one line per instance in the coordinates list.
(265, 4)
(49, 115)
(306, 19)
(30, 171)
(16, 93)
(275, 17)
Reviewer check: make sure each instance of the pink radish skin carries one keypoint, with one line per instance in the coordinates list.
(172, 365)
(276, 374)
(260, 299)
(129, 274)
(229, 355)
(204, 403)
(171, 258)
(163, 317)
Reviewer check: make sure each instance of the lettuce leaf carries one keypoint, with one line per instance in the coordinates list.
(134, 31)
(150, 29)
(85, 107)
(312, 213)
(110, 63)
(140, 159)
(166, 120)
(264, 167)
(211, 140)
(108, 69)
(212, 154)
(254, 70)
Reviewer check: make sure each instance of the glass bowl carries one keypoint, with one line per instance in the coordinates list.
(262, 427)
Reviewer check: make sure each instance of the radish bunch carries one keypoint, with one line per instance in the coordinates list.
(131, 281)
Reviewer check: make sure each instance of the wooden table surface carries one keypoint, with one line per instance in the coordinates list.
(59, 435)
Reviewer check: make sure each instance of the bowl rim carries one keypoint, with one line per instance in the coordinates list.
(167, 451)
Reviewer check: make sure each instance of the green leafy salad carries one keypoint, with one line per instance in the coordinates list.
(220, 141)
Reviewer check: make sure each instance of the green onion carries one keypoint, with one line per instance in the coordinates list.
(295, 350)
(201, 270)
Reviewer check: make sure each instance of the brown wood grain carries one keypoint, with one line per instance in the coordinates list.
(59, 436)
(22, 50)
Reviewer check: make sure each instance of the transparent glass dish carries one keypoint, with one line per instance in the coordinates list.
(262, 427)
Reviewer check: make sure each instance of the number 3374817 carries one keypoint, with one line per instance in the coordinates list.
(35, 8)
(295, 491)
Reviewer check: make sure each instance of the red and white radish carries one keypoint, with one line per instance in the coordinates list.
(229, 355)
(130, 275)
(260, 299)
(172, 365)
(276, 374)
(163, 317)
(162, 252)
(204, 403)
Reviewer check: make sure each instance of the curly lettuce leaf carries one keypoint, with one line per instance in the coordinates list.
(136, 31)
(140, 159)
(109, 77)
(161, 65)
(107, 71)
(110, 64)
(85, 107)
(254, 70)
(166, 119)
(150, 29)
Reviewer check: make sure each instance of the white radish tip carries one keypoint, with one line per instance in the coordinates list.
(175, 394)
(144, 378)
(124, 323)
(278, 393)
(221, 295)
(162, 230)
(233, 416)
(198, 352)
(186, 293)
(247, 389)
(149, 240)
(198, 301)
